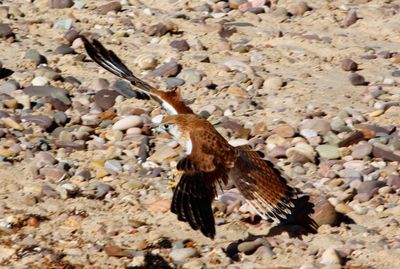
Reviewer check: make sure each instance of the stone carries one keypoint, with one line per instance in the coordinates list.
(180, 255)
(102, 190)
(114, 251)
(329, 152)
(5, 30)
(113, 166)
(180, 45)
(285, 130)
(105, 99)
(170, 69)
(40, 81)
(322, 127)
(61, 3)
(64, 49)
(190, 76)
(298, 8)
(146, 62)
(357, 79)
(350, 19)
(272, 84)
(35, 57)
(114, 6)
(301, 152)
(393, 181)
(330, 256)
(63, 24)
(324, 212)
(41, 120)
(361, 150)
(370, 187)
(127, 122)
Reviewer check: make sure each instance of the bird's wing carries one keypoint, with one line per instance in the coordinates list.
(262, 185)
(107, 59)
(202, 170)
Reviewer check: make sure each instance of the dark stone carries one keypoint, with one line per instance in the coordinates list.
(61, 3)
(357, 79)
(105, 98)
(180, 45)
(5, 30)
(349, 65)
(64, 49)
(112, 6)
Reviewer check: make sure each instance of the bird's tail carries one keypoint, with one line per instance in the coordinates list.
(192, 203)
(107, 59)
(110, 61)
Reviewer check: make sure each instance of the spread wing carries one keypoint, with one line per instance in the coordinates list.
(203, 169)
(107, 59)
(262, 185)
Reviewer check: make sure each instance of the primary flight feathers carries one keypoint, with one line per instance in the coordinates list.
(210, 159)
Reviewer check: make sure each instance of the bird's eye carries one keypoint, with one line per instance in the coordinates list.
(166, 126)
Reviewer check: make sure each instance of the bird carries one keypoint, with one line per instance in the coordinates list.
(209, 161)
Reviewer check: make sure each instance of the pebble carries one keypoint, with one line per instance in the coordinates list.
(114, 6)
(349, 65)
(272, 84)
(105, 99)
(113, 165)
(179, 255)
(102, 190)
(393, 181)
(322, 127)
(146, 62)
(41, 120)
(284, 130)
(34, 56)
(324, 211)
(63, 24)
(190, 76)
(329, 152)
(40, 81)
(370, 187)
(61, 3)
(330, 256)
(64, 49)
(298, 8)
(357, 79)
(170, 69)
(250, 247)
(127, 122)
(361, 150)
(5, 30)
(301, 153)
(180, 45)
(350, 19)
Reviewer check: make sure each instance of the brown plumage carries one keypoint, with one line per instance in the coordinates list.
(210, 159)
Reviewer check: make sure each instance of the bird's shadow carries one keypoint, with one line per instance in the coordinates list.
(301, 222)
(152, 261)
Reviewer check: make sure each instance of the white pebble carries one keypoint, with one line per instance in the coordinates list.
(330, 256)
(40, 81)
(127, 122)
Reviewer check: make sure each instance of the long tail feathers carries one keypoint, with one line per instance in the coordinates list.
(192, 203)
(110, 61)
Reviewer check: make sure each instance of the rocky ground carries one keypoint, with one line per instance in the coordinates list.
(313, 84)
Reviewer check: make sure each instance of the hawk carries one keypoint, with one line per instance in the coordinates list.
(210, 160)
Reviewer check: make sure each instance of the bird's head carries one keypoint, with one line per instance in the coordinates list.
(172, 126)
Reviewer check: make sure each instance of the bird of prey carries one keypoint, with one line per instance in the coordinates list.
(210, 160)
